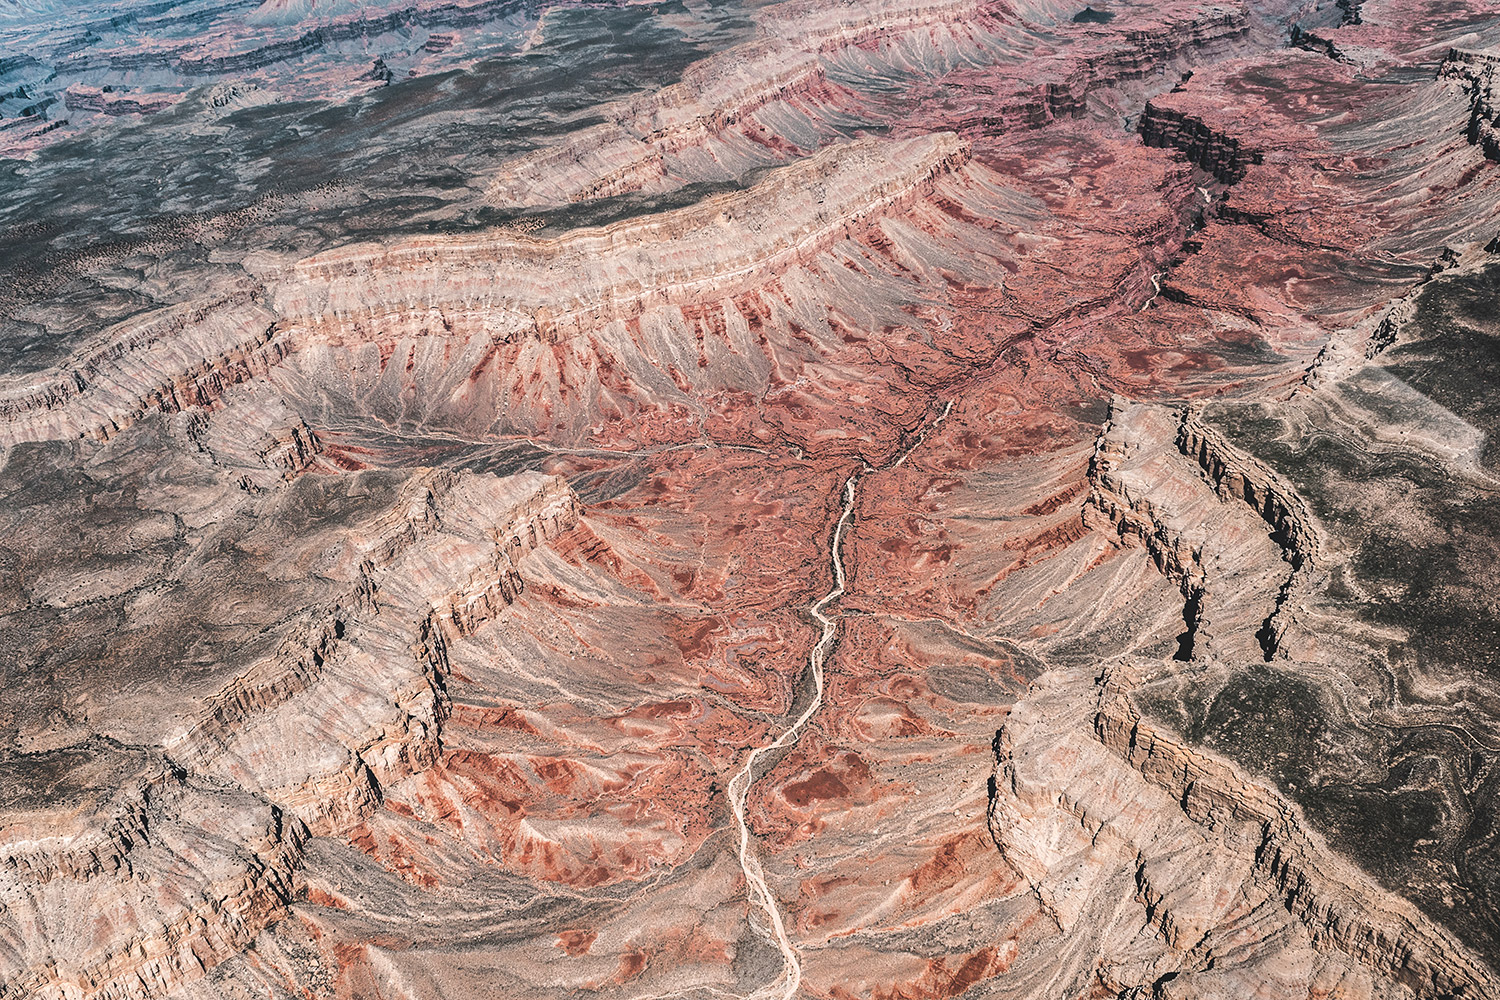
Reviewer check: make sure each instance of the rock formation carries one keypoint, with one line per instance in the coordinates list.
(945, 499)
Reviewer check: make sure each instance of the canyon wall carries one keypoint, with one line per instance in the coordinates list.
(976, 498)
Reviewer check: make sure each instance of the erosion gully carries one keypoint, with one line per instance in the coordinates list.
(759, 893)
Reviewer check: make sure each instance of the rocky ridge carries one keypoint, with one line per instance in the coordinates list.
(1476, 73)
(326, 519)
(365, 671)
(1207, 857)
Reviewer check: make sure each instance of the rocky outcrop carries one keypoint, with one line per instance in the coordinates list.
(1158, 501)
(317, 678)
(180, 876)
(1225, 156)
(500, 288)
(111, 102)
(165, 361)
(1315, 41)
(1237, 476)
(1345, 355)
(631, 154)
(1341, 907)
(1231, 888)
(1147, 488)
(1391, 323)
(261, 437)
(1135, 55)
(190, 61)
(443, 559)
(1322, 37)
(1475, 73)
(1117, 499)
(671, 137)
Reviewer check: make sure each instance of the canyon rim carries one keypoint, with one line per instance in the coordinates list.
(707, 499)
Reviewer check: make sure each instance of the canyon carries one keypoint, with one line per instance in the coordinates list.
(950, 498)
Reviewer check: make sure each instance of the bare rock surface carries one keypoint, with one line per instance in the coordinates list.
(970, 498)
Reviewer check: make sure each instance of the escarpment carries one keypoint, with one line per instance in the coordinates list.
(186, 356)
(189, 62)
(444, 557)
(1237, 476)
(714, 248)
(1221, 526)
(1389, 327)
(180, 876)
(1134, 56)
(301, 741)
(1313, 33)
(632, 152)
(711, 113)
(1345, 354)
(1132, 516)
(1145, 495)
(79, 98)
(500, 289)
(1475, 72)
(1224, 156)
(1089, 795)
(1341, 907)
(1278, 461)
(798, 90)
(1147, 487)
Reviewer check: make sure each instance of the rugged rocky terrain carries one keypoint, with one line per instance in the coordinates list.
(986, 498)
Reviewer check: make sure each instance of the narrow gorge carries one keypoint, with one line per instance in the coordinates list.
(890, 499)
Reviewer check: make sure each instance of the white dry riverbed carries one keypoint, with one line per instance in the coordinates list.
(739, 786)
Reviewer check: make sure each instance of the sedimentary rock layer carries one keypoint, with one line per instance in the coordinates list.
(906, 501)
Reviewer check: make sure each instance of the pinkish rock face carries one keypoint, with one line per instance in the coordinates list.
(831, 500)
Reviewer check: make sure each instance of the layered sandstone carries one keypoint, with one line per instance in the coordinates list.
(841, 499)
(218, 803)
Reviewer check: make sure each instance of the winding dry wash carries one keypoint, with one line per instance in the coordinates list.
(740, 784)
(858, 500)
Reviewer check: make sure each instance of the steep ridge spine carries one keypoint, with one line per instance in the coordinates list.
(1235, 475)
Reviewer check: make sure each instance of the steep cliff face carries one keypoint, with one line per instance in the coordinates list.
(183, 875)
(1475, 72)
(719, 248)
(486, 318)
(1329, 516)
(1367, 424)
(1186, 872)
(842, 500)
(1166, 127)
(1237, 476)
(186, 357)
(93, 59)
(1224, 556)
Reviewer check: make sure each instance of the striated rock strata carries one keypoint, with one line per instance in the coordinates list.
(842, 500)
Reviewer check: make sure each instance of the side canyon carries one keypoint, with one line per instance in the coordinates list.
(893, 499)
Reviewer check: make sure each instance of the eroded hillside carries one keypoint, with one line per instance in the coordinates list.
(866, 499)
